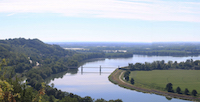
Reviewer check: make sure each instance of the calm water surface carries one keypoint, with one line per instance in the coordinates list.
(92, 83)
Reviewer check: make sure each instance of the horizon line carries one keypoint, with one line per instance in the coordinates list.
(120, 42)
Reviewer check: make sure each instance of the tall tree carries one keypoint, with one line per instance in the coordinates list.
(169, 87)
(186, 91)
(178, 90)
(127, 78)
(194, 92)
(132, 81)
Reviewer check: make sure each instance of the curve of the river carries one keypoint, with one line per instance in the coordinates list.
(92, 83)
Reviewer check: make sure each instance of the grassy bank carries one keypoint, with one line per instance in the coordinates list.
(116, 78)
(157, 79)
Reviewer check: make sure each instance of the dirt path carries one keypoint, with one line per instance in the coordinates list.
(121, 76)
(115, 77)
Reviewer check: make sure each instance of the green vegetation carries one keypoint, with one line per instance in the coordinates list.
(132, 81)
(117, 77)
(36, 61)
(158, 79)
(166, 76)
(194, 92)
(126, 75)
(161, 65)
(159, 74)
(186, 91)
(178, 90)
(169, 87)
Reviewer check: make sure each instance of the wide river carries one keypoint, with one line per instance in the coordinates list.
(91, 83)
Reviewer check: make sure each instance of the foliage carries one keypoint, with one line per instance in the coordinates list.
(16, 91)
(169, 87)
(186, 91)
(178, 90)
(41, 92)
(161, 65)
(132, 81)
(126, 75)
(6, 94)
(36, 61)
(194, 92)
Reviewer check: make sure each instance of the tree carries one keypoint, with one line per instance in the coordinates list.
(100, 100)
(194, 92)
(6, 92)
(51, 98)
(178, 90)
(126, 75)
(118, 100)
(87, 99)
(52, 85)
(169, 87)
(41, 92)
(186, 91)
(127, 78)
(3, 63)
(132, 81)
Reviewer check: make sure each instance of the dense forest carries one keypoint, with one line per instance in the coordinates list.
(35, 61)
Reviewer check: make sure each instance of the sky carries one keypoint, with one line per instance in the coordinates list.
(101, 20)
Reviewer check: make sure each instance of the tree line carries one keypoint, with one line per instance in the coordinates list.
(169, 88)
(161, 65)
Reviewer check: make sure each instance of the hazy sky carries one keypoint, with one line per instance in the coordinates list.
(101, 20)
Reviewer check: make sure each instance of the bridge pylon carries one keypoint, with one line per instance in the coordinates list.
(100, 70)
(81, 69)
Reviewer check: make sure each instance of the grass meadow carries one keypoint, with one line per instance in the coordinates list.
(158, 79)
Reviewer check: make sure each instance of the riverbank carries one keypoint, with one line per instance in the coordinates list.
(116, 78)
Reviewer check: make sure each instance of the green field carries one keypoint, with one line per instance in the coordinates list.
(158, 79)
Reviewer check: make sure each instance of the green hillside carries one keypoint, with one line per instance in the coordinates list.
(24, 54)
(34, 60)
(27, 56)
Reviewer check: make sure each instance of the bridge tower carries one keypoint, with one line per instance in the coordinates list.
(81, 69)
(100, 70)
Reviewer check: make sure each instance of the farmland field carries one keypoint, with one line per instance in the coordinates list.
(159, 78)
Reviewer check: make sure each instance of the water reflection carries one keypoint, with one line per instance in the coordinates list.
(98, 86)
(92, 60)
(168, 98)
(60, 75)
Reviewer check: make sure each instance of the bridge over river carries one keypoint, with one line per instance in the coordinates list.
(100, 69)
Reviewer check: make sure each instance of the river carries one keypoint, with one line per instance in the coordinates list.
(95, 84)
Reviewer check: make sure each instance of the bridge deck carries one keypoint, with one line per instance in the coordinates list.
(94, 67)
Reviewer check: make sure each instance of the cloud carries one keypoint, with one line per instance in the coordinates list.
(154, 10)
